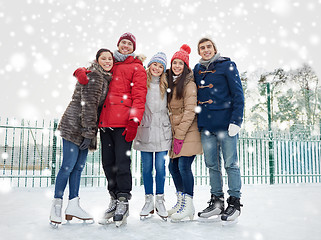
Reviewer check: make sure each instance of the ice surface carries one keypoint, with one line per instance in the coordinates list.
(270, 212)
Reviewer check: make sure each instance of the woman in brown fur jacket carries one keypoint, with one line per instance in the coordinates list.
(78, 129)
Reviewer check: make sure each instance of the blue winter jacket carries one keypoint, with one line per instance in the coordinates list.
(220, 95)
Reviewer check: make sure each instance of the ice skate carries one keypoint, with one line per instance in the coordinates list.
(148, 207)
(160, 207)
(213, 211)
(232, 212)
(122, 210)
(186, 210)
(110, 211)
(177, 206)
(74, 210)
(55, 213)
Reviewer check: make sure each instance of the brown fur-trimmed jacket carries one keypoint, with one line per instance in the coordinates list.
(80, 119)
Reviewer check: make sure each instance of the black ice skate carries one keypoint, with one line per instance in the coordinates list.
(215, 207)
(122, 209)
(110, 211)
(233, 209)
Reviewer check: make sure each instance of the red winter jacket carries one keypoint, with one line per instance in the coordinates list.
(126, 95)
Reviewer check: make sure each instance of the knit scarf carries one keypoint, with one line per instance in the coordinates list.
(206, 63)
(121, 57)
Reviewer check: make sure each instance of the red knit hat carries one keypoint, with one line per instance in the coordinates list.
(129, 37)
(183, 54)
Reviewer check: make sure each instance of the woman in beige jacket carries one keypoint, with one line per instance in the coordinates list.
(182, 100)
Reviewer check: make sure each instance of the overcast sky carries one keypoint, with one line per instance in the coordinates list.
(43, 42)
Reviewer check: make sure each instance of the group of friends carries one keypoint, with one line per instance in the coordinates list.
(177, 113)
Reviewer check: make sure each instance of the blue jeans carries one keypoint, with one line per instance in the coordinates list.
(181, 171)
(213, 144)
(147, 163)
(73, 163)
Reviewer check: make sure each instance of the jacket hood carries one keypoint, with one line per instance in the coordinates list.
(222, 59)
(189, 77)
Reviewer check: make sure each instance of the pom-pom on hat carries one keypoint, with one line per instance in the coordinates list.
(183, 54)
(159, 57)
(129, 36)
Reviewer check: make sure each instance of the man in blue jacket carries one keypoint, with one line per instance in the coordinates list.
(221, 101)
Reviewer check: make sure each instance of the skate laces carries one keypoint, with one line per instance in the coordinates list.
(112, 206)
(182, 208)
(58, 210)
(121, 207)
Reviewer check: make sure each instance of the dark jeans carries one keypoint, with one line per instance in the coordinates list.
(73, 162)
(116, 160)
(181, 171)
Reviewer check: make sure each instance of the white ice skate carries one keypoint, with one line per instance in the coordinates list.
(160, 207)
(55, 213)
(74, 210)
(109, 213)
(177, 206)
(187, 209)
(148, 207)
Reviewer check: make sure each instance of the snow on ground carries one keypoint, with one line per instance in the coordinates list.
(290, 211)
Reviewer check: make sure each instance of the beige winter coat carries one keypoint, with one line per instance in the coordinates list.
(184, 121)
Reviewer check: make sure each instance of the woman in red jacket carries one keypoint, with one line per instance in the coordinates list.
(120, 116)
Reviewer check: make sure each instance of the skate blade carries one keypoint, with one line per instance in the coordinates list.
(80, 221)
(230, 223)
(145, 217)
(216, 218)
(105, 222)
(121, 223)
(54, 225)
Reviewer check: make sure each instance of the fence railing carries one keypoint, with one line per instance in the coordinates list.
(31, 155)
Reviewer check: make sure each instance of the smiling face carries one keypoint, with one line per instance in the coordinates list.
(206, 50)
(156, 69)
(125, 47)
(177, 66)
(106, 61)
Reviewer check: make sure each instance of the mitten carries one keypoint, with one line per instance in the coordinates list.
(178, 144)
(233, 129)
(81, 75)
(85, 144)
(130, 131)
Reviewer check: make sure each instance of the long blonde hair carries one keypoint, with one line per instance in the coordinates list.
(162, 82)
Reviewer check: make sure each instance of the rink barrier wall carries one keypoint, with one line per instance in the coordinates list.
(31, 155)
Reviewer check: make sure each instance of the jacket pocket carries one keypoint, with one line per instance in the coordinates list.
(143, 134)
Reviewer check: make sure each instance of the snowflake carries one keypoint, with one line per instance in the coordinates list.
(202, 82)
(4, 156)
(198, 109)
(128, 153)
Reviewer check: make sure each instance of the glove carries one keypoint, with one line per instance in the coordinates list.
(178, 144)
(130, 131)
(85, 144)
(81, 75)
(233, 130)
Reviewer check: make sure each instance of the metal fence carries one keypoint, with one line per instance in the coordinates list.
(31, 154)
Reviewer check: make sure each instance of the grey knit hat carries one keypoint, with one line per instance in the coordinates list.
(159, 57)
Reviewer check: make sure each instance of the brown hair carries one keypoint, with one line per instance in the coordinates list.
(100, 51)
(205, 39)
(180, 85)
(162, 82)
